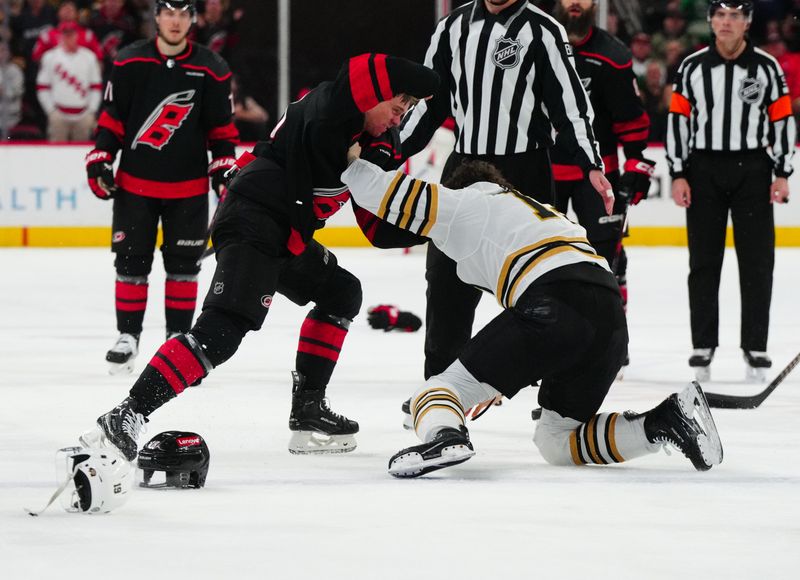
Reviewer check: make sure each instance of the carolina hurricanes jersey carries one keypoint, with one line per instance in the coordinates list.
(604, 65)
(165, 113)
(69, 82)
(501, 240)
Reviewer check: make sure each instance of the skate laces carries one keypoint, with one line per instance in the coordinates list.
(325, 404)
(133, 424)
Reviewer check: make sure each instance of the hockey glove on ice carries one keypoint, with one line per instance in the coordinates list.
(383, 150)
(635, 182)
(100, 172)
(387, 317)
(217, 171)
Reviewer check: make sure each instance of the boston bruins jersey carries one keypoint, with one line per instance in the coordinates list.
(501, 240)
(605, 67)
(165, 114)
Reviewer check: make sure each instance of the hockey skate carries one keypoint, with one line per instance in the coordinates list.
(757, 365)
(408, 420)
(123, 354)
(315, 428)
(684, 421)
(120, 428)
(700, 361)
(448, 447)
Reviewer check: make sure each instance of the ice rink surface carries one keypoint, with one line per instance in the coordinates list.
(504, 514)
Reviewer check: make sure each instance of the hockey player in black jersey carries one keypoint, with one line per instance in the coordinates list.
(263, 237)
(167, 104)
(604, 65)
(562, 323)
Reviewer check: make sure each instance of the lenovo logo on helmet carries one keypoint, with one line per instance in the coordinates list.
(187, 441)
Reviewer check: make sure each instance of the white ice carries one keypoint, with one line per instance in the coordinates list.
(504, 514)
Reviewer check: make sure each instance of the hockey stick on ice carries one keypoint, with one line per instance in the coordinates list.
(719, 401)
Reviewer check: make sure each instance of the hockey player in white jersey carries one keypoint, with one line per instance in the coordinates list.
(562, 323)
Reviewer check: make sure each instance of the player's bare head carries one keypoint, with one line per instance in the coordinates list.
(174, 18)
(471, 172)
(577, 16)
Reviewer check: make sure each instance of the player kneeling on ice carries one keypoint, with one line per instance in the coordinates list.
(563, 322)
(263, 238)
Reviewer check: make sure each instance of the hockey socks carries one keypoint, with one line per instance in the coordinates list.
(434, 409)
(180, 300)
(178, 364)
(321, 339)
(130, 294)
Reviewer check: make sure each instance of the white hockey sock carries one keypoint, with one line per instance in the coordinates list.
(441, 402)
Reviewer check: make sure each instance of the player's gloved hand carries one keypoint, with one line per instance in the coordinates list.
(387, 317)
(100, 171)
(383, 150)
(217, 171)
(635, 182)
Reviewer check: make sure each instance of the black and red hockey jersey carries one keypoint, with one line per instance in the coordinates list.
(604, 65)
(165, 114)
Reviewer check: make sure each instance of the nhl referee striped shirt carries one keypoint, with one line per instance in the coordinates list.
(508, 80)
(737, 105)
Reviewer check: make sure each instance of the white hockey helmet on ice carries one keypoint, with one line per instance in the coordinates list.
(101, 480)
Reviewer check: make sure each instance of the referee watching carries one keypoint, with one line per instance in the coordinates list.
(508, 79)
(730, 104)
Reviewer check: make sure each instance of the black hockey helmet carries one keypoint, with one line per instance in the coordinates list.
(182, 455)
(744, 5)
(177, 5)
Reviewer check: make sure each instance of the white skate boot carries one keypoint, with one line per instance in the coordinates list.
(700, 361)
(123, 354)
(757, 365)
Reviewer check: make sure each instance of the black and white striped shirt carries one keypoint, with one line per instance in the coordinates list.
(737, 105)
(508, 80)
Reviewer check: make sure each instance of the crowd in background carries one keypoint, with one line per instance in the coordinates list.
(49, 47)
(55, 56)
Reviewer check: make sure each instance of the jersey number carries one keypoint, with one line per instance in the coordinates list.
(165, 119)
(542, 211)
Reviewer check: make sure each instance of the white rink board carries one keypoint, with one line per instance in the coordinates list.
(43, 185)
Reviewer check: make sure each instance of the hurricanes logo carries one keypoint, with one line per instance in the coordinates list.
(117, 237)
(751, 90)
(165, 119)
(506, 52)
(266, 300)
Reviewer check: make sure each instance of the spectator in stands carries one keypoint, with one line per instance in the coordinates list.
(36, 17)
(673, 29)
(67, 12)
(642, 50)
(790, 63)
(115, 26)
(69, 87)
(12, 87)
(250, 118)
(656, 95)
(215, 28)
(674, 53)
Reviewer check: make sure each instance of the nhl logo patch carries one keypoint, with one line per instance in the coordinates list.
(506, 52)
(219, 287)
(751, 90)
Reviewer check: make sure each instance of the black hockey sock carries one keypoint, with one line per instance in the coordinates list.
(180, 300)
(321, 339)
(178, 364)
(131, 301)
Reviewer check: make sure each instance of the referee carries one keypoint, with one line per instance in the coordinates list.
(729, 109)
(508, 79)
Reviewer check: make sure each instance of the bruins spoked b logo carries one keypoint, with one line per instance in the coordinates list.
(506, 52)
(751, 90)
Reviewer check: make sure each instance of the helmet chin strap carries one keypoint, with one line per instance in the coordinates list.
(54, 497)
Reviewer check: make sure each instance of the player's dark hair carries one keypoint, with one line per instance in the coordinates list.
(470, 172)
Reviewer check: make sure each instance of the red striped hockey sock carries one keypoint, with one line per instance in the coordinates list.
(130, 297)
(180, 300)
(321, 339)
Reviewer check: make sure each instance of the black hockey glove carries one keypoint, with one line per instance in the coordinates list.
(217, 171)
(383, 150)
(100, 171)
(387, 317)
(635, 182)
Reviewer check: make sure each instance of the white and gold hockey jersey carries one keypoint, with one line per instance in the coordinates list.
(500, 240)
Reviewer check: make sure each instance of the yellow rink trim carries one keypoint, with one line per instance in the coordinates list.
(341, 237)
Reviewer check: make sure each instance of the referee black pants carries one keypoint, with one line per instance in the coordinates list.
(737, 183)
(451, 303)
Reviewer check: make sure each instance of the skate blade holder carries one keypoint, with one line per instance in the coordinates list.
(313, 443)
